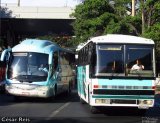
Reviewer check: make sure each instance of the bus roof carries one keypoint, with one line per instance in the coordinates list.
(35, 45)
(117, 38)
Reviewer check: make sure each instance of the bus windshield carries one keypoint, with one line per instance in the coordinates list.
(124, 60)
(28, 67)
(139, 60)
(110, 59)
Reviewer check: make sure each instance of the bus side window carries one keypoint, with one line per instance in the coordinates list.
(92, 60)
(55, 61)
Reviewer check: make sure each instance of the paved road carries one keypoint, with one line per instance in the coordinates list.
(69, 110)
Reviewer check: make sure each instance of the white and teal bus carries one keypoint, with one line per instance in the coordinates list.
(38, 68)
(105, 76)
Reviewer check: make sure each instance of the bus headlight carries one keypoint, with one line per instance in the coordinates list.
(8, 87)
(149, 102)
(42, 88)
(146, 102)
(100, 101)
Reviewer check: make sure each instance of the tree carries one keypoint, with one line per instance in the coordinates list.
(62, 40)
(5, 13)
(150, 13)
(92, 17)
(151, 22)
(98, 17)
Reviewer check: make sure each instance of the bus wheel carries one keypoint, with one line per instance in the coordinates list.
(69, 89)
(51, 98)
(54, 92)
(143, 111)
(93, 110)
(16, 98)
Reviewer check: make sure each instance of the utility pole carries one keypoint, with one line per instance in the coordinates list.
(19, 3)
(66, 4)
(143, 20)
(133, 8)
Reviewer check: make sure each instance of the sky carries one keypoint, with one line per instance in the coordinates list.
(44, 3)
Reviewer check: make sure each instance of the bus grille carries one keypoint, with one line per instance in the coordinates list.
(123, 92)
(116, 101)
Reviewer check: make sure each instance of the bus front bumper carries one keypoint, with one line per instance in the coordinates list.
(123, 101)
(39, 91)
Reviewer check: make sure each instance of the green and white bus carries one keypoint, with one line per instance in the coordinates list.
(105, 76)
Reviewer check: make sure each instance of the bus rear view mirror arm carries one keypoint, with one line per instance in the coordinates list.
(50, 58)
(5, 55)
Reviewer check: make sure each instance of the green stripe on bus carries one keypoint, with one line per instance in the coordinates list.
(124, 97)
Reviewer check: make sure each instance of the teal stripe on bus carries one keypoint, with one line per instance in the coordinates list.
(81, 78)
(124, 97)
(121, 82)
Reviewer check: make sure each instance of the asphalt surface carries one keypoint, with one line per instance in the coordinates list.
(64, 109)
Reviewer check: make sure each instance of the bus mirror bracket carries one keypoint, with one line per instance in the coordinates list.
(50, 58)
(5, 55)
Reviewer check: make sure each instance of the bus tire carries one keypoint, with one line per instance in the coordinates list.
(143, 111)
(51, 98)
(55, 91)
(93, 110)
(69, 90)
(17, 98)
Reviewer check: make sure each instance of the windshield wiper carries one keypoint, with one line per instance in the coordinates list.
(16, 77)
(25, 81)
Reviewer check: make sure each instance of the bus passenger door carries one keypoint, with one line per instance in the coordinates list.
(58, 72)
(54, 72)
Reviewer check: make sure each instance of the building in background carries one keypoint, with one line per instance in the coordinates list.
(20, 20)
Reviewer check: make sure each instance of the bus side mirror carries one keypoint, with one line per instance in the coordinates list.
(5, 55)
(50, 58)
(60, 70)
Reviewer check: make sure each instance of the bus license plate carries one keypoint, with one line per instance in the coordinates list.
(143, 106)
(25, 93)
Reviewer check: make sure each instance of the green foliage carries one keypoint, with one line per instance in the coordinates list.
(128, 25)
(63, 41)
(121, 7)
(92, 17)
(152, 22)
(154, 33)
(98, 17)
(5, 12)
(151, 12)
